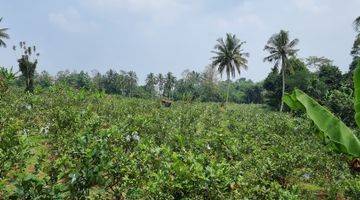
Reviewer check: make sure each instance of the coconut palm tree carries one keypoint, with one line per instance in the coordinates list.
(150, 83)
(132, 80)
(3, 35)
(230, 57)
(160, 81)
(280, 48)
(314, 62)
(170, 81)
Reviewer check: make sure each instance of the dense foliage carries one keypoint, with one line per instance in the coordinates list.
(191, 86)
(327, 84)
(333, 130)
(76, 144)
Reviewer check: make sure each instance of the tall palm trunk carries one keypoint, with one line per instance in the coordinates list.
(283, 82)
(28, 87)
(228, 89)
(130, 90)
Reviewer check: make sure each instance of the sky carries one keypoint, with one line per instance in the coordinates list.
(171, 35)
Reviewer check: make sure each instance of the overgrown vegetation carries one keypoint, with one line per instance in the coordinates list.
(65, 143)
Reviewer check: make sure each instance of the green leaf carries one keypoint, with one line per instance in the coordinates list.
(338, 133)
(357, 94)
(292, 102)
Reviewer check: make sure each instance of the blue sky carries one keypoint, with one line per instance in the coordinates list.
(171, 35)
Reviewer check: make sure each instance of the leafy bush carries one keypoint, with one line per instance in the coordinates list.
(75, 144)
(341, 103)
(6, 78)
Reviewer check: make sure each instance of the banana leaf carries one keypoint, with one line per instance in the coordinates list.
(291, 101)
(333, 128)
(357, 94)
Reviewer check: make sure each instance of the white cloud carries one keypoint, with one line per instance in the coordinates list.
(70, 20)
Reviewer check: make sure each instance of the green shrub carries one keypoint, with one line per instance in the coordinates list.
(74, 144)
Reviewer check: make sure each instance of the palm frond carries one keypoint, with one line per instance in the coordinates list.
(357, 24)
(279, 47)
(230, 57)
(2, 43)
(293, 43)
(3, 35)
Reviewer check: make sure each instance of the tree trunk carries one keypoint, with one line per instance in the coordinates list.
(27, 79)
(27, 84)
(31, 84)
(228, 90)
(283, 83)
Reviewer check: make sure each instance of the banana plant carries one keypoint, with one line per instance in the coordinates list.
(342, 137)
(7, 76)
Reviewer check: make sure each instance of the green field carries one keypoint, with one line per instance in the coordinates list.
(65, 144)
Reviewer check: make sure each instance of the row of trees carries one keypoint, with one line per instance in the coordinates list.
(191, 86)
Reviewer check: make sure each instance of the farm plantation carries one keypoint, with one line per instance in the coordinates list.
(69, 144)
